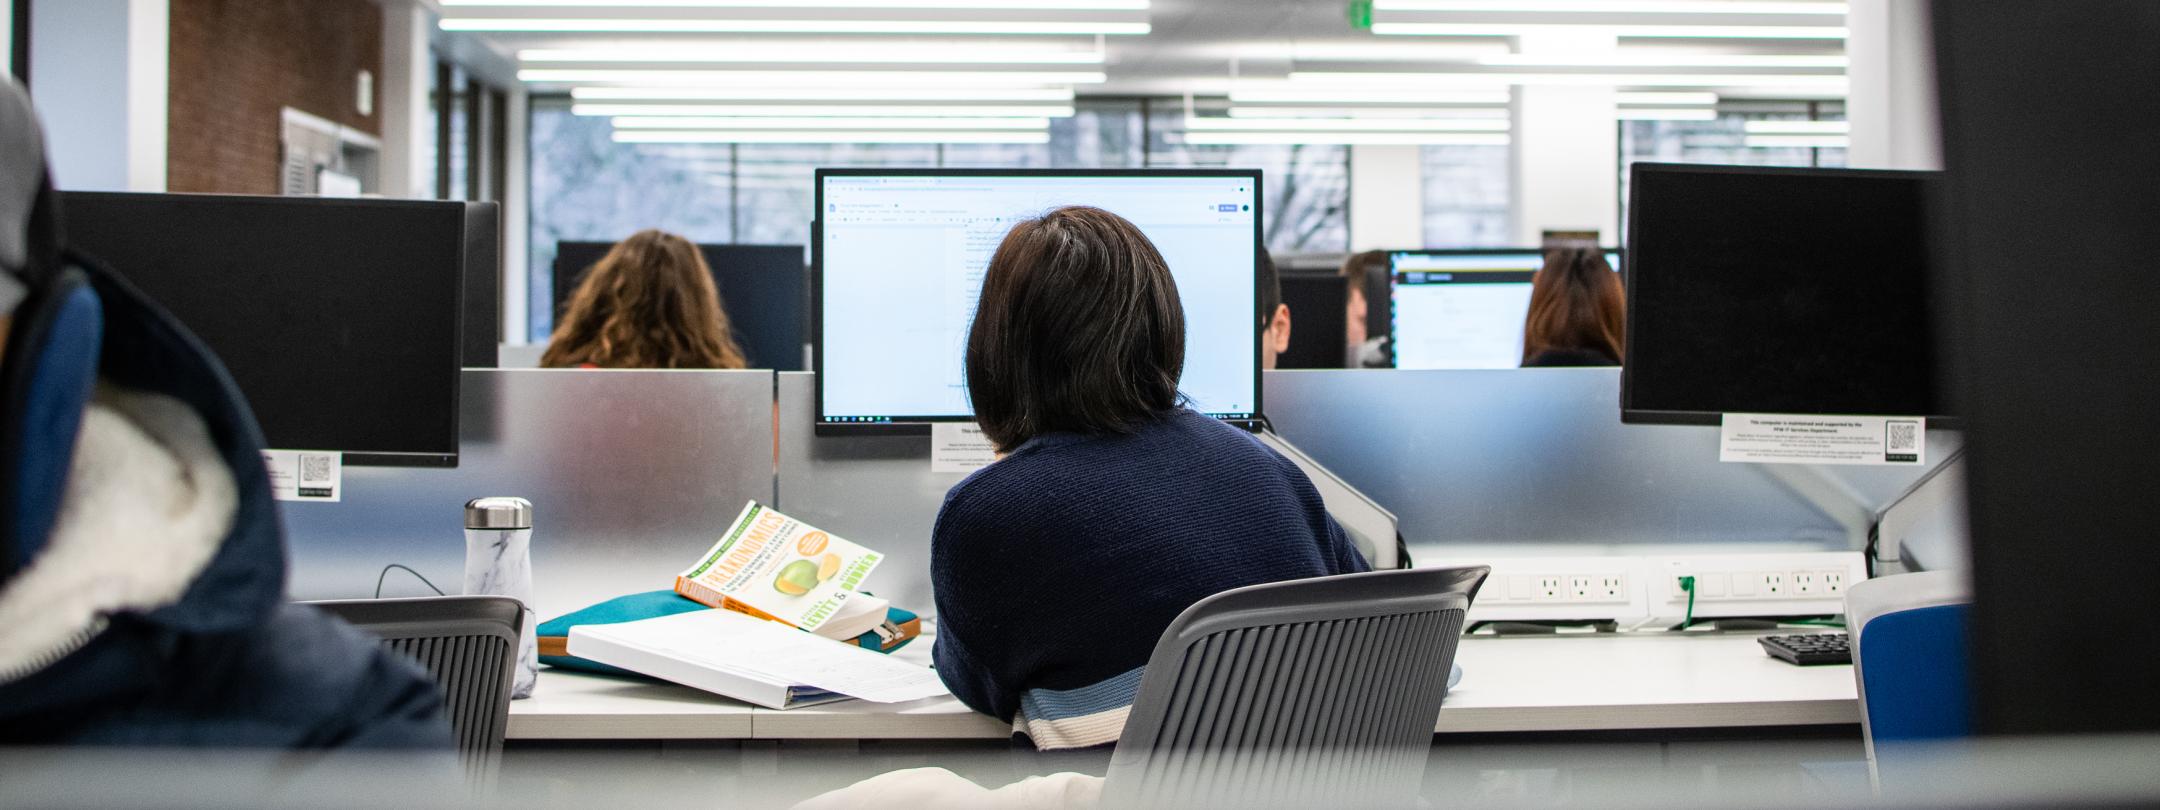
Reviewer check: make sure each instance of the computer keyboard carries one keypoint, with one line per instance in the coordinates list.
(1809, 649)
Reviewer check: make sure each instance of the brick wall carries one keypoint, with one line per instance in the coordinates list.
(236, 63)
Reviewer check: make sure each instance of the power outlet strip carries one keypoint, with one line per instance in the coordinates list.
(1557, 588)
(1729, 585)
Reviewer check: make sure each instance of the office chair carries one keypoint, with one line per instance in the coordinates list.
(1316, 692)
(468, 644)
(1909, 659)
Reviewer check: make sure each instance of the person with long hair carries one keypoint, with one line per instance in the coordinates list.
(1578, 312)
(649, 303)
(1115, 506)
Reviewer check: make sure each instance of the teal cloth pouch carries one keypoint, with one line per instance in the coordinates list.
(554, 634)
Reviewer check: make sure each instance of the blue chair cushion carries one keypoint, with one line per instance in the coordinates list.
(1915, 671)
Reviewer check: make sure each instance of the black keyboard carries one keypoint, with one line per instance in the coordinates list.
(1810, 649)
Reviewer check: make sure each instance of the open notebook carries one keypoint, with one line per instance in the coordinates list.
(753, 660)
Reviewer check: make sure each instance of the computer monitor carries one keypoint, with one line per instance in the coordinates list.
(339, 319)
(482, 330)
(899, 257)
(765, 290)
(1318, 313)
(1463, 308)
(1774, 290)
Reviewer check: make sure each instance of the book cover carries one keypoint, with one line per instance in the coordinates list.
(775, 567)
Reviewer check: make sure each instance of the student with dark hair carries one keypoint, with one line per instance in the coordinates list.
(1274, 314)
(1578, 312)
(1114, 507)
(1366, 308)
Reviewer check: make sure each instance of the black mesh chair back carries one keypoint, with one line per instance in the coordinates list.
(1309, 693)
(468, 644)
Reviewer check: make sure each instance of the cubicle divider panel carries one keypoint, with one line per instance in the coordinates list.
(1538, 458)
(875, 490)
(632, 475)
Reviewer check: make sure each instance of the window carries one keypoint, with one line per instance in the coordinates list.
(587, 187)
(1724, 139)
(1466, 196)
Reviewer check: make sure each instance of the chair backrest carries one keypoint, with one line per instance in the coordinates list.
(1303, 693)
(467, 643)
(1909, 658)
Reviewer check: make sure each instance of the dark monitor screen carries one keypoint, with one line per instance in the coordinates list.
(339, 319)
(1761, 290)
(483, 285)
(765, 290)
(1453, 309)
(1318, 314)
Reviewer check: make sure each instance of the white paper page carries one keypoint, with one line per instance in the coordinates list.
(724, 639)
(303, 476)
(1762, 438)
(959, 447)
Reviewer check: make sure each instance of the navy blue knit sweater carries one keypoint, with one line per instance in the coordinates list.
(1058, 568)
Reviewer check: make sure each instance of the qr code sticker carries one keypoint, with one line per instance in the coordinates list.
(1904, 436)
(314, 468)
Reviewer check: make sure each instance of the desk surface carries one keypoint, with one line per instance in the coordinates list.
(1545, 683)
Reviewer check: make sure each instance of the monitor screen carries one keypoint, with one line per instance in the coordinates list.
(900, 258)
(339, 319)
(1758, 290)
(1318, 319)
(765, 290)
(1463, 308)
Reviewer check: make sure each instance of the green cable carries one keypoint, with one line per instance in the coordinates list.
(1688, 584)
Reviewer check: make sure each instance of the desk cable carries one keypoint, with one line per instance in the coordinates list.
(407, 569)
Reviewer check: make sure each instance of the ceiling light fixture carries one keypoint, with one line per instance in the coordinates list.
(1695, 60)
(1368, 112)
(1667, 114)
(1798, 141)
(1369, 79)
(793, 94)
(1610, 7)
(1798, 127)
(1200, 124)
(1287, 94)
(988, 5)
(821, 78)
(814, 53)
(823, 110)
(1644, 31)
(711, 123)
(1667, 99)
(630, 25)
(809, 136)
(1347, 138)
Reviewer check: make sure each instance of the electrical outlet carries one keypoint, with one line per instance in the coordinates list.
(1549, 589)
(1803, 583)
(1773, 584)
(1612, 587)
(1751, 585)
(1558, 589)
(1833, 582)
(1579, 588)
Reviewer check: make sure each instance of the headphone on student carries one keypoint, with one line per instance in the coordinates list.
(49, 367)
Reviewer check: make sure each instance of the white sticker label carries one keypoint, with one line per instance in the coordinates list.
(1763, 438)
(305, 475)
(959, 447)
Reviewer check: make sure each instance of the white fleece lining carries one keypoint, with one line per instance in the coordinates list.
(149, 501)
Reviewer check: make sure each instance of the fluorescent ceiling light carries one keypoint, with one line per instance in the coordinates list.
(1284, 94)
(824, 110)
(1668, 99)
(1798, 141)
(1678, 60)
(1369, 112)
(1798, 127)
(709, 26)
(1368, 79)
(887, 94)
(1346, 138)
(1610, 7)
(640, 122)
(1000, 5)
(820, 136)
(1197, 124)
(1667, 114)
(824, 78)
(1385, 52)
(1654, 31)
(815, 53)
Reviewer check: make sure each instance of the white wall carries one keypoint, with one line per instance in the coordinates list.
(408, 73)
(1387, 198)
(98, 71)
(1565, 164)
(517, 230)
(1892, 107)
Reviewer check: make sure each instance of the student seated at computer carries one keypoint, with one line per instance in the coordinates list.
(1578, 313)
(1114, 508)
(1274, 314)
(649, 303)
(1370, 286)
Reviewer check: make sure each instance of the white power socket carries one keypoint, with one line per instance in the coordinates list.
(1730, 585)
(1556, 588)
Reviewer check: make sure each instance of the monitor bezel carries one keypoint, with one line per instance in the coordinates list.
(921, 424)
(1647, 416)
(1392, 283)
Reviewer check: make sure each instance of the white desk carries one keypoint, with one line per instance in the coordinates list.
(1546, 683)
